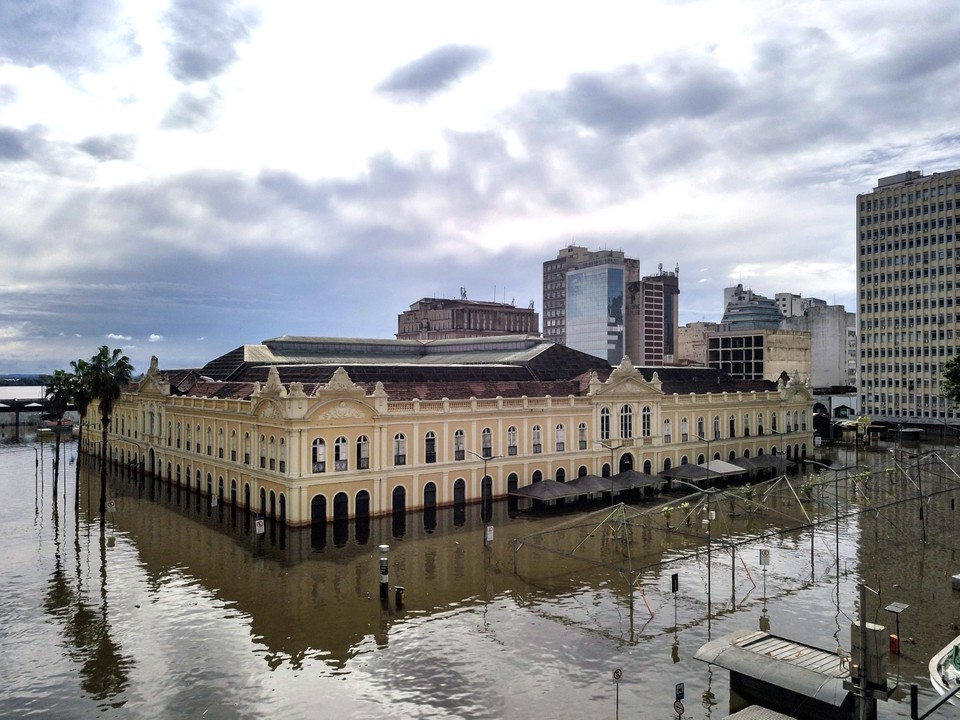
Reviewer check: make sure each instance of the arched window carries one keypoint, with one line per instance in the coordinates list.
(733, 426)
(246, 448)
(459, 445)
(511, 440)
(209, 440)
(582, 435)
(796, 421)
(233, 445)
(198, 438)
(667, 435)
(716, 427)
(746, 426)
(789, 426)
(340, 454)
(399, 449)
(220, 443)
(604, 423)
(759, 423)
(684, 430)
(273, 453)
(283, 455)
(263, 451)
(486, 442)
(363, 453)
(537, 439)
(626, 421)
(561, 438)
(430, 448)
(701, 428)
(153, 419)
(178, 435)
(645, 421)
(773, 421)
(169, 434)
(803, 420)
(189, 438)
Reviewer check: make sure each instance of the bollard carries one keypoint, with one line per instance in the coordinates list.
(399, 595)
(384, 574)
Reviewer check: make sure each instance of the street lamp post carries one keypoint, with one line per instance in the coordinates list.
(707, 441)
(612, 449)
(484, 458)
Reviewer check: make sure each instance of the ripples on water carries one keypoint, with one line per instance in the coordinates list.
(175, 613)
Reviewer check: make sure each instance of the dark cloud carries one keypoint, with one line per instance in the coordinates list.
(193, 111)
(67, 35)
(630, 99)
(206, 33)
(435, 72)
(13, 145)
(109, 147)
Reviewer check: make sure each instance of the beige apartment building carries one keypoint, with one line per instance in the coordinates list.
(306, 430)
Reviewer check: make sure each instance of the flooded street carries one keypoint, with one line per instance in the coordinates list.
(181, 609)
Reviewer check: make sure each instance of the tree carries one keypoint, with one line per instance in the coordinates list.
(80, 378)
(59, 391)
(108, 372)
(950, 379)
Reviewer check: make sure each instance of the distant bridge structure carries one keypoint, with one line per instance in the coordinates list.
(23, 399)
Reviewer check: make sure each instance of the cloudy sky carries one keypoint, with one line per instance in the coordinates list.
(179, 177)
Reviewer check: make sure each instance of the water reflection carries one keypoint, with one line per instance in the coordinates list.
(200, 604)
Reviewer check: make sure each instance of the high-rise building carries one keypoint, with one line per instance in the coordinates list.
(652, 318)
(583, 300)
(907, 291)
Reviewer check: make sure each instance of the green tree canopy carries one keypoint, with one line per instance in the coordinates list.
(950, 379)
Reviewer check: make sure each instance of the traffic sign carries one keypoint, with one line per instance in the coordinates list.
(679, 690)
(260, 526)
(678, 707)
(111, 506)
(617, 674)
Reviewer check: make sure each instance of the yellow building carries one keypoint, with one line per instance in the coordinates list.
(314, 429)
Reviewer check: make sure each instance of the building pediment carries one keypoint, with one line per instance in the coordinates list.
(625, 381)
(154, 383)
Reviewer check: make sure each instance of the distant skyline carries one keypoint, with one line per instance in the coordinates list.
(180, 177)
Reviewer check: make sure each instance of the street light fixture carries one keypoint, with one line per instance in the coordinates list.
(612, 449)
(485, 459)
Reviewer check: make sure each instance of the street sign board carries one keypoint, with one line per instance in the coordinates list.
(678, 707)
(617, 674)
(260, 527)
(679, 690)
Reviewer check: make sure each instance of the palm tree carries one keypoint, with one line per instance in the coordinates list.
(59, 393)
(108, 373)
(81, 399)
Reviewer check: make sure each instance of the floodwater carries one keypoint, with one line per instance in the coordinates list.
(180, 609)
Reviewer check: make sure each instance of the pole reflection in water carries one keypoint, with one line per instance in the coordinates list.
(171, 613)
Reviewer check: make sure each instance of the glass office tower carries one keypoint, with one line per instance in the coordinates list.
(594, 309)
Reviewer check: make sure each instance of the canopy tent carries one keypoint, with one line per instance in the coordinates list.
(548, 490)
(631, 479)
(715, 469)
(591, 483)
(761, 462)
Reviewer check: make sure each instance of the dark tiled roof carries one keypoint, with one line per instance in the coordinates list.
(699, 380)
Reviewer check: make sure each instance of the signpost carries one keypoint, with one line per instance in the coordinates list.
(617, 675)
(677, 703)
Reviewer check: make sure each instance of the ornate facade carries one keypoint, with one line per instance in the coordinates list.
(458, 422)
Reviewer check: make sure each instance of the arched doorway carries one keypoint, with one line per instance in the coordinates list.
(429, 507)
(626, 462)
(318, 522)
(459, 502)
(361, 517)
(399, 505)
(341, 522)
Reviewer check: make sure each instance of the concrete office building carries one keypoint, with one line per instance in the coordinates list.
(444, 319)
(652, 318)
(907, 292)
(833, 344)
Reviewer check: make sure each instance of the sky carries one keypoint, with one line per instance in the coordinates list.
(181, 177)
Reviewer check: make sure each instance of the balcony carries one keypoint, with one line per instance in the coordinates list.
(319, 467)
